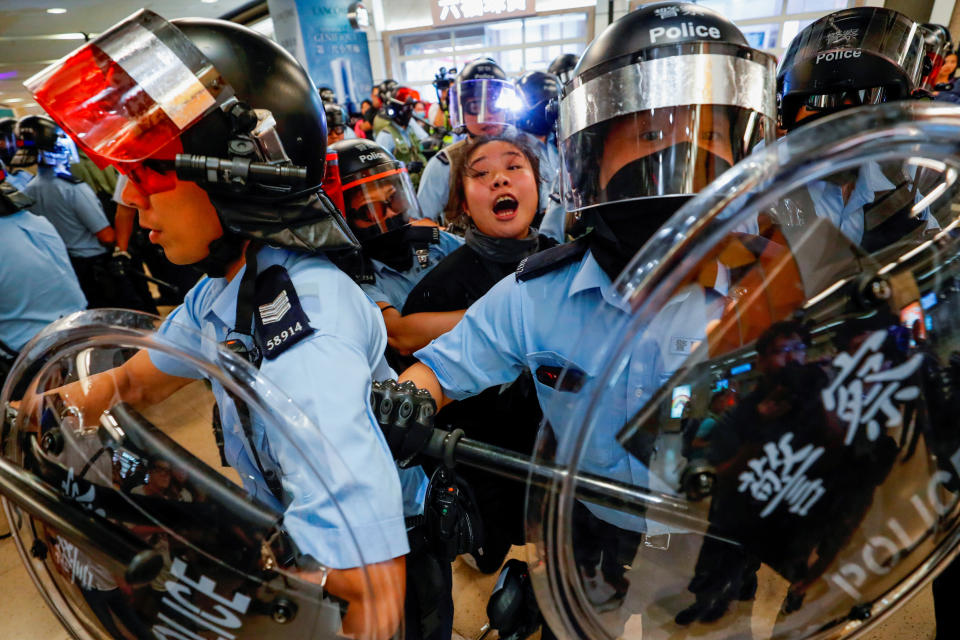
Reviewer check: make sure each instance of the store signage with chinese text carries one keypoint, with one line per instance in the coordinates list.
(447, 12)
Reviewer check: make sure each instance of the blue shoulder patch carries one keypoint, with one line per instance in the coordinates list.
(443, 157)
(279, 321)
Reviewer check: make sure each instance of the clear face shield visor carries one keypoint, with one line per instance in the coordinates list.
(634, 133)
(130, 92)
(488, 101)
(379, 200)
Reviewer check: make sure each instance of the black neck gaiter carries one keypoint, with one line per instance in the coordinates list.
(391, 248)
(621, 228)
(502, 250)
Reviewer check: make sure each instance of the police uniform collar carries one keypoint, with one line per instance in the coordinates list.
(590, 275)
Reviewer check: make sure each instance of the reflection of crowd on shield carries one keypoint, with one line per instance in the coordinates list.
(707, 381)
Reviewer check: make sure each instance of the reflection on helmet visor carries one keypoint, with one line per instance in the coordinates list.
(379, 203)
(488, 101)
(660, 152)
(131, 91)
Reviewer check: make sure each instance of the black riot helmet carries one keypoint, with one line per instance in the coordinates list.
(334, 114)
(441, 82)
(562, 65)
(387, 87)
(398, 106)
(229, 109)
(327, 95)
(8, 139)
(38, 143)
(864, 55)
(378, 195)
(630, 129)
(482, 96)
(536, 89)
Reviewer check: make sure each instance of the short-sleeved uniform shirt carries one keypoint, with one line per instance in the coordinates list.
(328, 376)
(565, 318)
(72, 208)
(393, 287)
(19, 178)
(36, 278)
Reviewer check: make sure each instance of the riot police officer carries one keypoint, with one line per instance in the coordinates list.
(401, 137)
(536, 90)
(227, 177)
(35, 275)
(8, 147)
(628, 165)
(563, 65)
(379, 203)
(849, 58)
(481, 100)
(336, 125)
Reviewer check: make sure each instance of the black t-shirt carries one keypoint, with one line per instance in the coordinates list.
(370, 114)
(506, 416)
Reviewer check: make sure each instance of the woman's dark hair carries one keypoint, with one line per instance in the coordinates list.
(365, 102)
(459, 219)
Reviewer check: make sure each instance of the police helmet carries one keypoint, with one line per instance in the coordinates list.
(334, 115)
(663, 101)
(8, 139)
(481, 94)
(864, 55)
(327, 95)
(562, 65)
(38, 143)
(230, 110)
(399, 105)
(378, 194)
(536, 89)
(386, 88)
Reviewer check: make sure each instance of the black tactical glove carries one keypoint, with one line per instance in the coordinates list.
(121, 264)
(405, 415)
(414, 166)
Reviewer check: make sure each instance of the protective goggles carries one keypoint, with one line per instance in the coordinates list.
(380, 199)
(131, 92)
(489, 101)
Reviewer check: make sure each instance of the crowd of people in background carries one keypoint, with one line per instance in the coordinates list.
(446, 200)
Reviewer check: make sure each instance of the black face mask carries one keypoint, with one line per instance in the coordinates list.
(391, 248)
(664, 173)
(621, 228)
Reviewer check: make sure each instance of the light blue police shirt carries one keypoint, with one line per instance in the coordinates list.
(72, 208)
(328, 376)
(393, 287)
(38, 284)
(849, 218)
(554, 221)
(565, 318)
(19, 178)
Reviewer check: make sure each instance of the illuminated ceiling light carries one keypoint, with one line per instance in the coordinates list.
(14, 100)
(208, 1)
(56, 10)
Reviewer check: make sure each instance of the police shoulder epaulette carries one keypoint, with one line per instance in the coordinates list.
(546, 261)
(443, 157)
(279, 320)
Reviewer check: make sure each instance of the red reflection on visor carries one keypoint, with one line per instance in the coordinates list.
(108, 114)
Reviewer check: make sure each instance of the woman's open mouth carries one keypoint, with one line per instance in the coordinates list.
(505, 208)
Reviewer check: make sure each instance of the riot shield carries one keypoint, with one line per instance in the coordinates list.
(127, 516)
(766, 443)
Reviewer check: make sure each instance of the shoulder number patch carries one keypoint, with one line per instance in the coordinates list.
(280, 321)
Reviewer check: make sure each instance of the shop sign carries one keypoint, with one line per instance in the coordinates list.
(447, 12)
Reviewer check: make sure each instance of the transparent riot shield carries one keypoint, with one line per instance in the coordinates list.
(765, 441)
(131, 523)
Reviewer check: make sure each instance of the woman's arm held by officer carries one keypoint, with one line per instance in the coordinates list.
(408, 333)
(424, 377)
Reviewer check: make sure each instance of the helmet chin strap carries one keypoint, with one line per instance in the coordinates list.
(224, 251)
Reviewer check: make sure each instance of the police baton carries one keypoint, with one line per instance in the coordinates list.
(451, 447)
